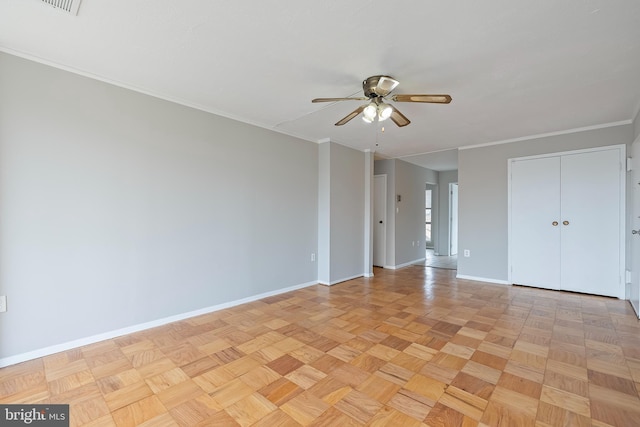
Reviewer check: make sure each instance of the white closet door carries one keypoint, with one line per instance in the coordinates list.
(634, 292)
(591, 206)
(535, 207)
(380, 220)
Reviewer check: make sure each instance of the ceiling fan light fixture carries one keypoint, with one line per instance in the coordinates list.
(384, 111)
(370, 112)
(376, 90)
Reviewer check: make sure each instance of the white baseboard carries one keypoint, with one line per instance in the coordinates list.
(333, 282)
(406, 264)
(483, 279)
(46, 351)
(368, 275)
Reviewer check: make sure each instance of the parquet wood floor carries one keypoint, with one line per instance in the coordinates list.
(411, 347)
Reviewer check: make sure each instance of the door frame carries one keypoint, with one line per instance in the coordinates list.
(623, 213)
(453, 212)
(434, 196)
(383, 197)
(634, 263)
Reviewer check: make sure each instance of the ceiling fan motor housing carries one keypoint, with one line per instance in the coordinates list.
(378, 86)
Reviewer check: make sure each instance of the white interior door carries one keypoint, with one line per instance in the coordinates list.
(535, 222)
(453, 219)
(380, 220)
(591, 223)
(634, 292)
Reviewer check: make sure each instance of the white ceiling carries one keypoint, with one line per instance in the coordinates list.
(514, 68)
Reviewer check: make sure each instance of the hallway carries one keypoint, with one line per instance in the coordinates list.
(440, 261)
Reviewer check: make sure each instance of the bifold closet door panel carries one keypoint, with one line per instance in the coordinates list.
(535, 208)
(590, 222)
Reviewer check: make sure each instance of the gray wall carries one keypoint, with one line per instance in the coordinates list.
(444, 179)
(368, 214)
(636, 124)
(347, 212)
(118, 208)
(482, 198)
(324, 213)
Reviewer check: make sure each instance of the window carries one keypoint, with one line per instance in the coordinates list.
(427, 215)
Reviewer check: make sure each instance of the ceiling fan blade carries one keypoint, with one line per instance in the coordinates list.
(399, 118)
(338, 99)
(436, 99)
(385, 85)
(350, 116)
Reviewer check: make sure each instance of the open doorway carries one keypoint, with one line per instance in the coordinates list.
(444, 253)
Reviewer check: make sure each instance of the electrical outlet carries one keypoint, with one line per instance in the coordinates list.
(3, 303)
(467, 253)
(313, 257)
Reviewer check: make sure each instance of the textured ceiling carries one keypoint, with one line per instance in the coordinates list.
(514, 69)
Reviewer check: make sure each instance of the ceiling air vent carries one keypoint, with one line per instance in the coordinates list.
(69, 6)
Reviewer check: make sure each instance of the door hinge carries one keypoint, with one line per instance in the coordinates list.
(629, 164)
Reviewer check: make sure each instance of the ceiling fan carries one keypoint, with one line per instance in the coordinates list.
(377, 89)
